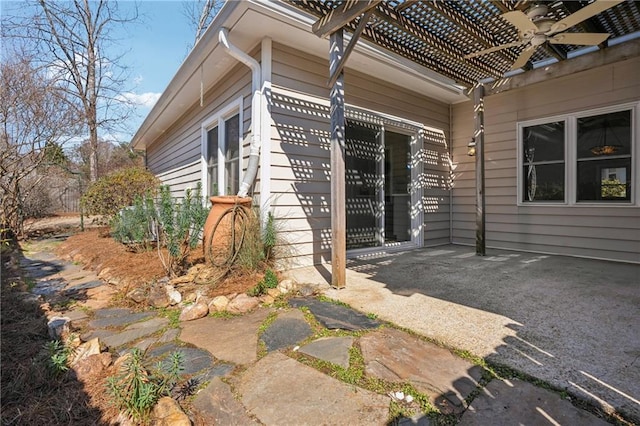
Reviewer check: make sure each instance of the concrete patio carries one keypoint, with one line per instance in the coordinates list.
(571, 322)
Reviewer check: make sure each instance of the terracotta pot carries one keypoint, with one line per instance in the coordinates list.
(216, 241)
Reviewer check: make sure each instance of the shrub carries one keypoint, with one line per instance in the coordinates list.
(136, 390)
(110, 194)
(180, 226)
(135, 226)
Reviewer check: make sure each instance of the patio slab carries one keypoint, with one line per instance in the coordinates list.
(569, 321)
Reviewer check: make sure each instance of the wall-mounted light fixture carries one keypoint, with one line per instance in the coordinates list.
(471, 147)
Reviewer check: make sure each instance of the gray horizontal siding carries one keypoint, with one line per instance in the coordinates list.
(175, 157)
(607, 232)
(300, 149)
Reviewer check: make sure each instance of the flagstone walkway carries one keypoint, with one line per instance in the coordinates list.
(297, 365)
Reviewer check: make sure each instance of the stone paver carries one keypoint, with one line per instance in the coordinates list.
(332, 349)
(129, 335)
(216, 405)
(234, 340)
(516, 402)
(281, 391)
(119, 320)
(396, 356)
(334, 316)
(287, 330)
(277, 390)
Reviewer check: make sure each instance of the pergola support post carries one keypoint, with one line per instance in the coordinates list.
(478, 134)
(338, 204)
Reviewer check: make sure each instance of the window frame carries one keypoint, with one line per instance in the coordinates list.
(219, 119)
(571, 158)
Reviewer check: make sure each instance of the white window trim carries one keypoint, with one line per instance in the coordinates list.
(570, 170)
(217, 119)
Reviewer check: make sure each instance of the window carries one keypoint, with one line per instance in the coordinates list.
(604, 157)
(221, 152)
(578, 158)
(543, 162)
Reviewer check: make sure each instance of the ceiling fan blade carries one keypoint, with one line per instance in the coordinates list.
(584, 39)
(583, 14)
(524, 57)
(494, 49)
(521, 21)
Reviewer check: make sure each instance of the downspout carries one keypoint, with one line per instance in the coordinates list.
(256, 76)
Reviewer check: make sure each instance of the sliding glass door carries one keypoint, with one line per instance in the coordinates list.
(378, 177)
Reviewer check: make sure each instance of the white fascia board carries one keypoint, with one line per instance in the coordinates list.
(285, 24)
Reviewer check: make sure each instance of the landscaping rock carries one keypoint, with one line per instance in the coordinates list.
(138, 295)
(242, 303)
(112, 312)
(91, 366)
(58, 326)
(286, 286)
(85, 350)
(306, 290)
(267, 300)
(158, 297)
(273, 292)
(167, 412)
(195, 311)
(169, 335)
(195, 360)
(174, 295)
(190, 297)
(219, 304)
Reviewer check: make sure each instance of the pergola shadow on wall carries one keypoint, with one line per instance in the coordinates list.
(485, 47)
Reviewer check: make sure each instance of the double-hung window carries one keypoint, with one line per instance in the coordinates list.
(579, 158)
(221, 150)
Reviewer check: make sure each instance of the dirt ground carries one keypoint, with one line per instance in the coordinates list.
(97, 251)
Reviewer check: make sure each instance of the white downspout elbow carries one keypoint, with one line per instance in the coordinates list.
(256, 139)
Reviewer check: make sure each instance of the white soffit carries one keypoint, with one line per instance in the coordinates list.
(248, 22)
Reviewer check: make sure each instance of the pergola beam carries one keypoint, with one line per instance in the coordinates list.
(352, 44)
(341, 16)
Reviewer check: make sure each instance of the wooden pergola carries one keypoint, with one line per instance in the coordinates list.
(445, 37)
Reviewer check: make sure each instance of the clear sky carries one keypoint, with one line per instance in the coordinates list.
(155, 48)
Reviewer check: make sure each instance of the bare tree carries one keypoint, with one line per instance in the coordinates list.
(72, 38)
(36, 122)
(200, 13)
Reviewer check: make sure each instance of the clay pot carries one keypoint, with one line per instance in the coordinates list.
(218, 232)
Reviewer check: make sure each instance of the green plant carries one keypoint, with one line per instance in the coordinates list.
(136, 390)
(115, 191)
(134, 226)
(179, 227)
(269, 236)
(270, 280)
(57, 356)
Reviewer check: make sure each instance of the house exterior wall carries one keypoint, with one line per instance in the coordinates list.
(599, 231)
(300, 150)
(176, 157)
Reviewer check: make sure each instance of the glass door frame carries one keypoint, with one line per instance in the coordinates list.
(414, 131)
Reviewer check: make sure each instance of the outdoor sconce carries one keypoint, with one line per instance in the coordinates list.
(471, 148)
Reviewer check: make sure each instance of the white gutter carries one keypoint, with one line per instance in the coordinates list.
(256, 77)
